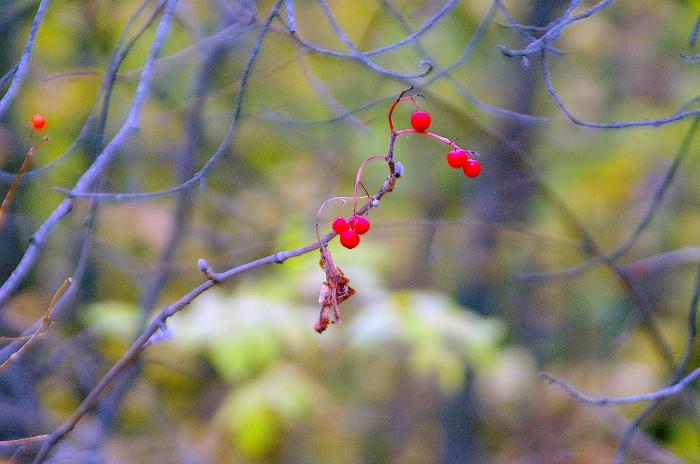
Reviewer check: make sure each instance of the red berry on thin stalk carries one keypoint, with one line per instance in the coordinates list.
(420, 120)
(457, 158)
(359, 224)
(472, 168)
(349, 239)
(38, 122)
(340, 225)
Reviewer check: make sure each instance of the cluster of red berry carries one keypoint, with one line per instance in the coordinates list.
(457, 158)
(351, 230)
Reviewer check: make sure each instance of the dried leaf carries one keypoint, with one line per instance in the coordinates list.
(334, 291)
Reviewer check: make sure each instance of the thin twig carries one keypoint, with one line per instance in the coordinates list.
(549, 85)
(223, 148)
(676, 379)
(425, 27)
(15, 183)
(45, 325)
(617, 400)
(629, 242)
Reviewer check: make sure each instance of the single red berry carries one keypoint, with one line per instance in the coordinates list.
(472, 168)
(38, 122)
(420, 120)
(340, 225)
(349, 239)
(359, 224)
(457, 158)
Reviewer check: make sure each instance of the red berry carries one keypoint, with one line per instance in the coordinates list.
(457, 158)
(349, 239)
(359, 224)
(472, 168)
(420, 120)
(340, 225)
(38, 121)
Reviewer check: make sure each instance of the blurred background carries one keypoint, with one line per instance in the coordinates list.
(438, 355)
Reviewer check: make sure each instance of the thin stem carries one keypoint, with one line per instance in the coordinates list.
(15, 183)
(358, 180)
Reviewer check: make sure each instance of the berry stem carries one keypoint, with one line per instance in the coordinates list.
(323, 205)
(400, 98)
(358, 179)
(437, 137)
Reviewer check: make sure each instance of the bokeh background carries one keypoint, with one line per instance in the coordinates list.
(438, 357)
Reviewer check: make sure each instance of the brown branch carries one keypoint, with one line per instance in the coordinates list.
(46, 324)
(16, 445)
(15, 183)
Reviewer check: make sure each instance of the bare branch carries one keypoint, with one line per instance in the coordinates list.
(608, 125)
(100, 164)
(425, 27)
(121, 51)
(23, 64)
(629, 242)
(606, 401)
(15, 183)
(224, 146)
(44, 326)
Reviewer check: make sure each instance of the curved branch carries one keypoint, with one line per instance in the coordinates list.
(616, 400)
(24, 60)
(608, 125)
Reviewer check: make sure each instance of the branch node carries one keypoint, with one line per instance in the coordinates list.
(207, 270)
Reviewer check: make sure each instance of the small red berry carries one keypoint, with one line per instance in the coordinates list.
(457, 158)
(38, 122)
(420, 120)
(472, 168)
(359, 224)
(340, 225)
(349, 239)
